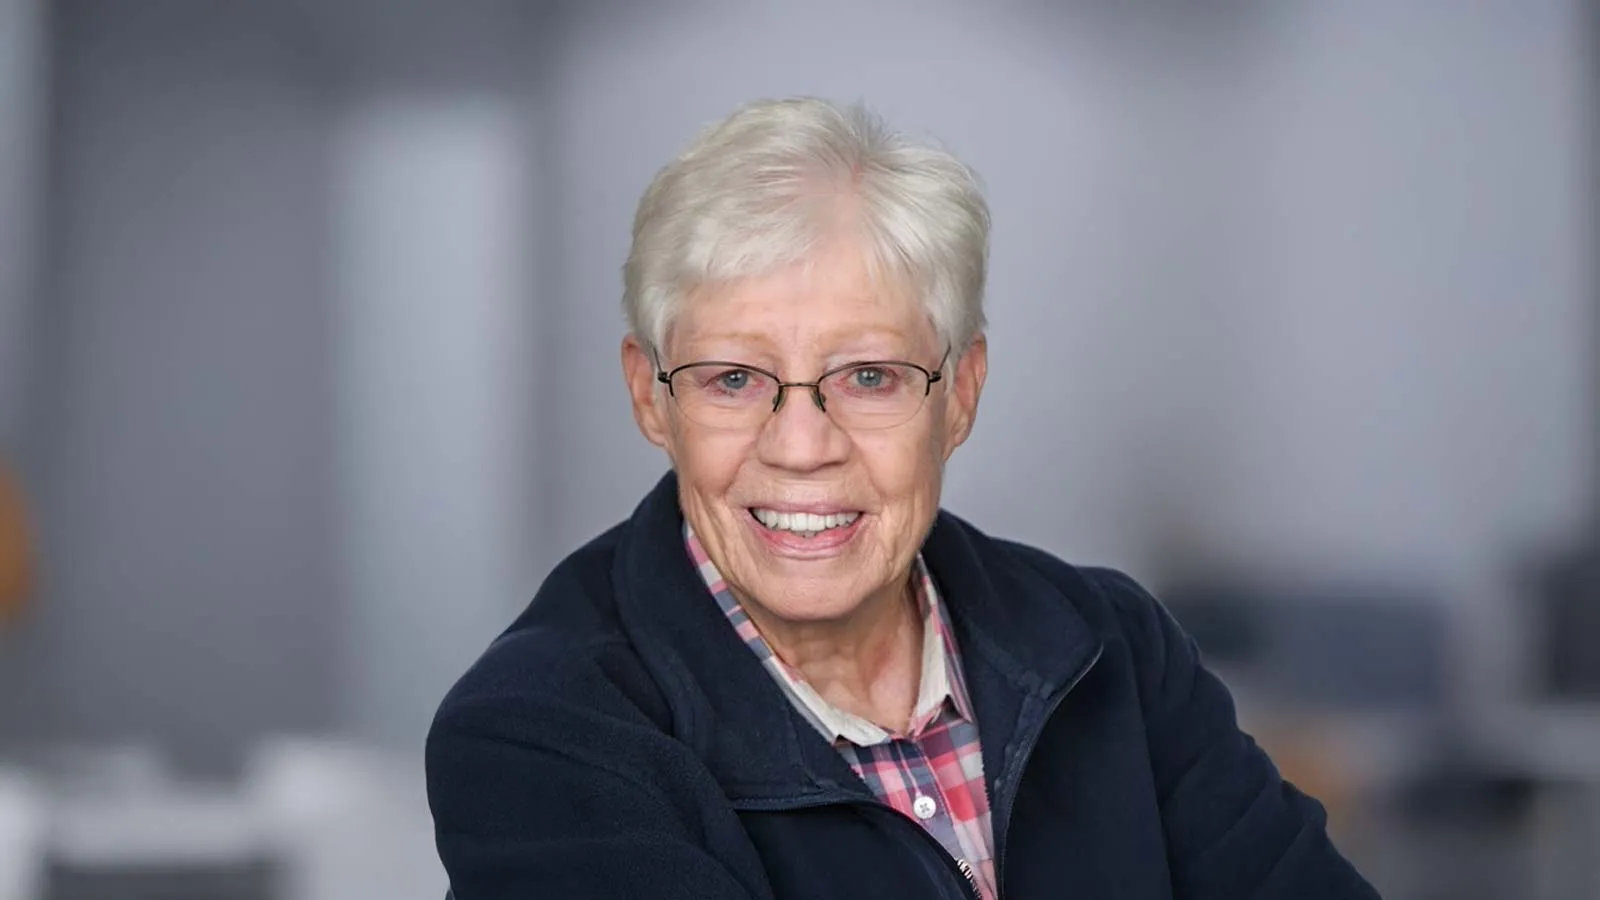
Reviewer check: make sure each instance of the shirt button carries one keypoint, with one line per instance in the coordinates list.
(924, 806)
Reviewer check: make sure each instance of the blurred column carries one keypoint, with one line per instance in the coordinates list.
(22, 56)
(1591, 54)
(434, 237)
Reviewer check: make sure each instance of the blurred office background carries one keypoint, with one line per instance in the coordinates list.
(308, 368)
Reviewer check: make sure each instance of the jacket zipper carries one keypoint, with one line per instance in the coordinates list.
(960, 868)
(1020, 762)
(965, 878)
(972, 878)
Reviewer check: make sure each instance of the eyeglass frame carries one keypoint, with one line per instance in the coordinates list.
(932, 377)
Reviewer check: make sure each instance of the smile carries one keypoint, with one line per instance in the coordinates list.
(803, 524)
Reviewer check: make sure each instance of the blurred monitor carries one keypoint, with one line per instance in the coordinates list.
(1329, 646)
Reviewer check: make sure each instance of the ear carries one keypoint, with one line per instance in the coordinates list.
(966, 384)
(649, 402)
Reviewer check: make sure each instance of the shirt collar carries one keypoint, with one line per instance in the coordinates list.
(940, 682)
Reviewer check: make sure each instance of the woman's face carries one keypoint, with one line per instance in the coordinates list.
(877, 490)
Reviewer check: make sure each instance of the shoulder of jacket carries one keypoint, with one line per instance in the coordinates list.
(565, 653)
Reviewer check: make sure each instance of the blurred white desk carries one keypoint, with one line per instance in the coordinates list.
(312, 819)
(180, 842)
(183, 827)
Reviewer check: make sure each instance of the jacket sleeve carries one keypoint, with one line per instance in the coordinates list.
(531, 801)
(1235, 829)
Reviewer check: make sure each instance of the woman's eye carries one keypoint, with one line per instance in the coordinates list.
(870, 378)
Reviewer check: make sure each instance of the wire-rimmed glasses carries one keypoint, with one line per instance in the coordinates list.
(858, 396)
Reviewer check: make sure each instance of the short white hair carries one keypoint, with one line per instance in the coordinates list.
(765, 187)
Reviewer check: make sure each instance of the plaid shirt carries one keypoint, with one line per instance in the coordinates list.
(933, 773)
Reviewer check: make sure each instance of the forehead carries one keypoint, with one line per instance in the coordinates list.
(829, 303)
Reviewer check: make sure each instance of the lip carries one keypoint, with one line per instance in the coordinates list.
(822, 546)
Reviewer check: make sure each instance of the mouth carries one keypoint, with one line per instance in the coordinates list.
(804, 525)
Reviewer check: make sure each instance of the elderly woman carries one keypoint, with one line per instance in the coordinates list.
(788, 674)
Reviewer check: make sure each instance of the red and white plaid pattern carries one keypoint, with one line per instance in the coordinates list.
(937, 761)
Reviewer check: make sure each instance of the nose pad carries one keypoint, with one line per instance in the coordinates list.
(814, 389)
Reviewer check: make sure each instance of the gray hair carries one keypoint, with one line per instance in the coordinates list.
(766, 186)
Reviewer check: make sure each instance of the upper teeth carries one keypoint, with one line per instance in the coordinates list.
(799, 521)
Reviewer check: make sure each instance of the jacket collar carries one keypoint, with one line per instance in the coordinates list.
(1020, 638)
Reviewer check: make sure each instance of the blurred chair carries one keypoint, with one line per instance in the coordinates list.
(1468, 823)
(1566, 587)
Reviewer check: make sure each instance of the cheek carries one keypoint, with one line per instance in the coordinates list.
(906, 472)
(707, 463)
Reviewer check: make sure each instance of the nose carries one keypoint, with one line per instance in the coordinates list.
(800, 437)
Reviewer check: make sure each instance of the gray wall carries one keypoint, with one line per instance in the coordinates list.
(184, 477)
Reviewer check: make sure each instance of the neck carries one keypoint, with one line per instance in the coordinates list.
(869, 665)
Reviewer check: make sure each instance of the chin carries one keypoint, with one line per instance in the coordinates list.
(807, 600)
